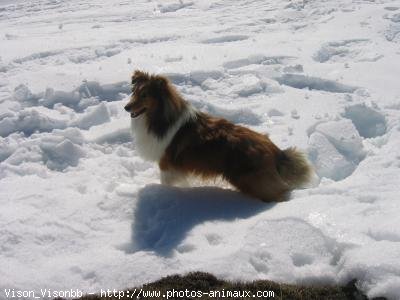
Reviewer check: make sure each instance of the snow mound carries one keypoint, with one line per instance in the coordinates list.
(58, 155)
(247, 85)
(369, 122)
(87, 94)
(244, 116)
(336, 149)
(30, 120)
(94, 115)
(56, 151)
(23, 94)
(276, 256)
(112, 134)
(42, 119)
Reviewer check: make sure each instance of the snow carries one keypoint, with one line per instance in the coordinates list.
(328, 161)
(80, 209)
(313, 83)
(369, 122)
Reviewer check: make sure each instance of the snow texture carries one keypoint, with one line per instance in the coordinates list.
(80, 209)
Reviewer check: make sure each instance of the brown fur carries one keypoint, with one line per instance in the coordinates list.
(208, 146)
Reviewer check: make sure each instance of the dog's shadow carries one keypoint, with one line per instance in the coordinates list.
(163, 215)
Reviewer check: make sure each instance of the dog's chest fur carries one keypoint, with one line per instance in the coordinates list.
(150, 146)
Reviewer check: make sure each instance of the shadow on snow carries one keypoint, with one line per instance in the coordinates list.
(163, 215)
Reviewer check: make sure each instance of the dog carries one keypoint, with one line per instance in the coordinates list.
(184, 141)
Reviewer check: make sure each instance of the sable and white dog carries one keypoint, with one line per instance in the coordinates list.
(184, 141)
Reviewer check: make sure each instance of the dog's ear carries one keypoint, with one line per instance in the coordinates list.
(160, 82)
(139, 76)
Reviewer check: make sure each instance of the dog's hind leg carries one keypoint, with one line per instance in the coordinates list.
(266, 186)
(173, 177)
(170, 175)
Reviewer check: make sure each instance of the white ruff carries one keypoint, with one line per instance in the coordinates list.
(151, 147)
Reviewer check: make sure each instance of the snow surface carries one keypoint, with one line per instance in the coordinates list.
(80, 209)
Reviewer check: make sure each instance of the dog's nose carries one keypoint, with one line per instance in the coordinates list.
(127, 108)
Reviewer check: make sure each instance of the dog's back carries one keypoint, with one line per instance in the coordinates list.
(209, 146)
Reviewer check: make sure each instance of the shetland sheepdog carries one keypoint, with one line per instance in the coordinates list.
(184, 141)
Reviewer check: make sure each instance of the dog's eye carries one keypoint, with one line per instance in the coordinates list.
(143, 95)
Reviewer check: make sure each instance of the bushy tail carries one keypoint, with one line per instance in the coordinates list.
(294, 168)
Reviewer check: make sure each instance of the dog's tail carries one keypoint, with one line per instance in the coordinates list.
(294, 168)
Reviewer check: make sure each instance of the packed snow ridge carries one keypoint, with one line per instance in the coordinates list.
(80, 209)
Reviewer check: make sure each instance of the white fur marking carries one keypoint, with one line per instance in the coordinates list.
(173, 177)
(151, 147)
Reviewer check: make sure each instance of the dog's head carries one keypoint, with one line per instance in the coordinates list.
(152, 94)
(141, 99)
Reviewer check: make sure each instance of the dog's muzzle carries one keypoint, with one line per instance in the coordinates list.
(135, 114)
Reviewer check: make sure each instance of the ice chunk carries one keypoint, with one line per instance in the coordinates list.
(61, 155)
(247, 85)
(327, 160)
(336, 149)
(345, 138)
(22, 93)
(93, 115)
(52, 97)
